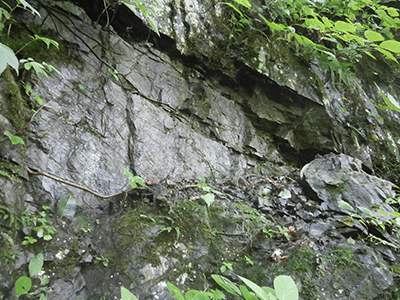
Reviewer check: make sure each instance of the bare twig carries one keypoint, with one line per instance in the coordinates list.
(79, 186)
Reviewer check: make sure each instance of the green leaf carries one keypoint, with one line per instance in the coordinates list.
(35, 264)
(367, 211)
(42, 297)
(208, 199)
(247, 295)
(285, 288)
(226, 284)
(382, 212)
(154, 25)
(393, 46)
(345, 205)
(244, 3)
(386, 53)
(234, 8)
(27, 6)
(258, 290)
(23, 285)
(314, 23)
(273, 25)
(14, 138)
(7, 57)
(345, 26)
(196, 295)
(128, 174)
(30, 63)
(373, 36)
(176, 292)
(47, 41)
(285, 194)
(127, 295)
(393, 12)
(271, 292)
(395, 214)
(218, 295)
(369, 53)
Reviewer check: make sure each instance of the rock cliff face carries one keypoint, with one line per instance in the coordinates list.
(174, 108)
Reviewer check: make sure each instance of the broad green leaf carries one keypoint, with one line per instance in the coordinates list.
(382, 212)
(247, 295)
(395, 214)
(42, 297)
(314, 23)
(38, 67)
(345, 205)
(273, 25)
(345, 26)
(127, 295)
(153, 25)
(218, 295)
(208, 199)
(244, 3)
(7, 57)
(285, 288)
(47, 41)
(226, 284)
(367, 211)
(35, 264)
(234, 7)
(386, 53)
(373, 36)
(196, 295)
(175, 291)
(393, 12)
(393, 46)
(128, 174)
(285, 194)
(258, 290)
(328, 23)
(23, 285)
(14, 138)
(52, 68)
(271, 292)
(369, 53)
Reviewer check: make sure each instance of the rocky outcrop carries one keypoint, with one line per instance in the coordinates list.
(169, 118)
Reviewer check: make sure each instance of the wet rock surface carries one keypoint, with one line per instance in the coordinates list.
(230, 171)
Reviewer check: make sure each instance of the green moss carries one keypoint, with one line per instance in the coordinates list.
(342, 259)
(18, 110)
(12, 169)
(20, 39)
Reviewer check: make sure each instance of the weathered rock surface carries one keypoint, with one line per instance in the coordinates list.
(128, 104)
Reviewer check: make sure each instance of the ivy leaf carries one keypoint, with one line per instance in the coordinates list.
(373, 36)
(7, 57)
